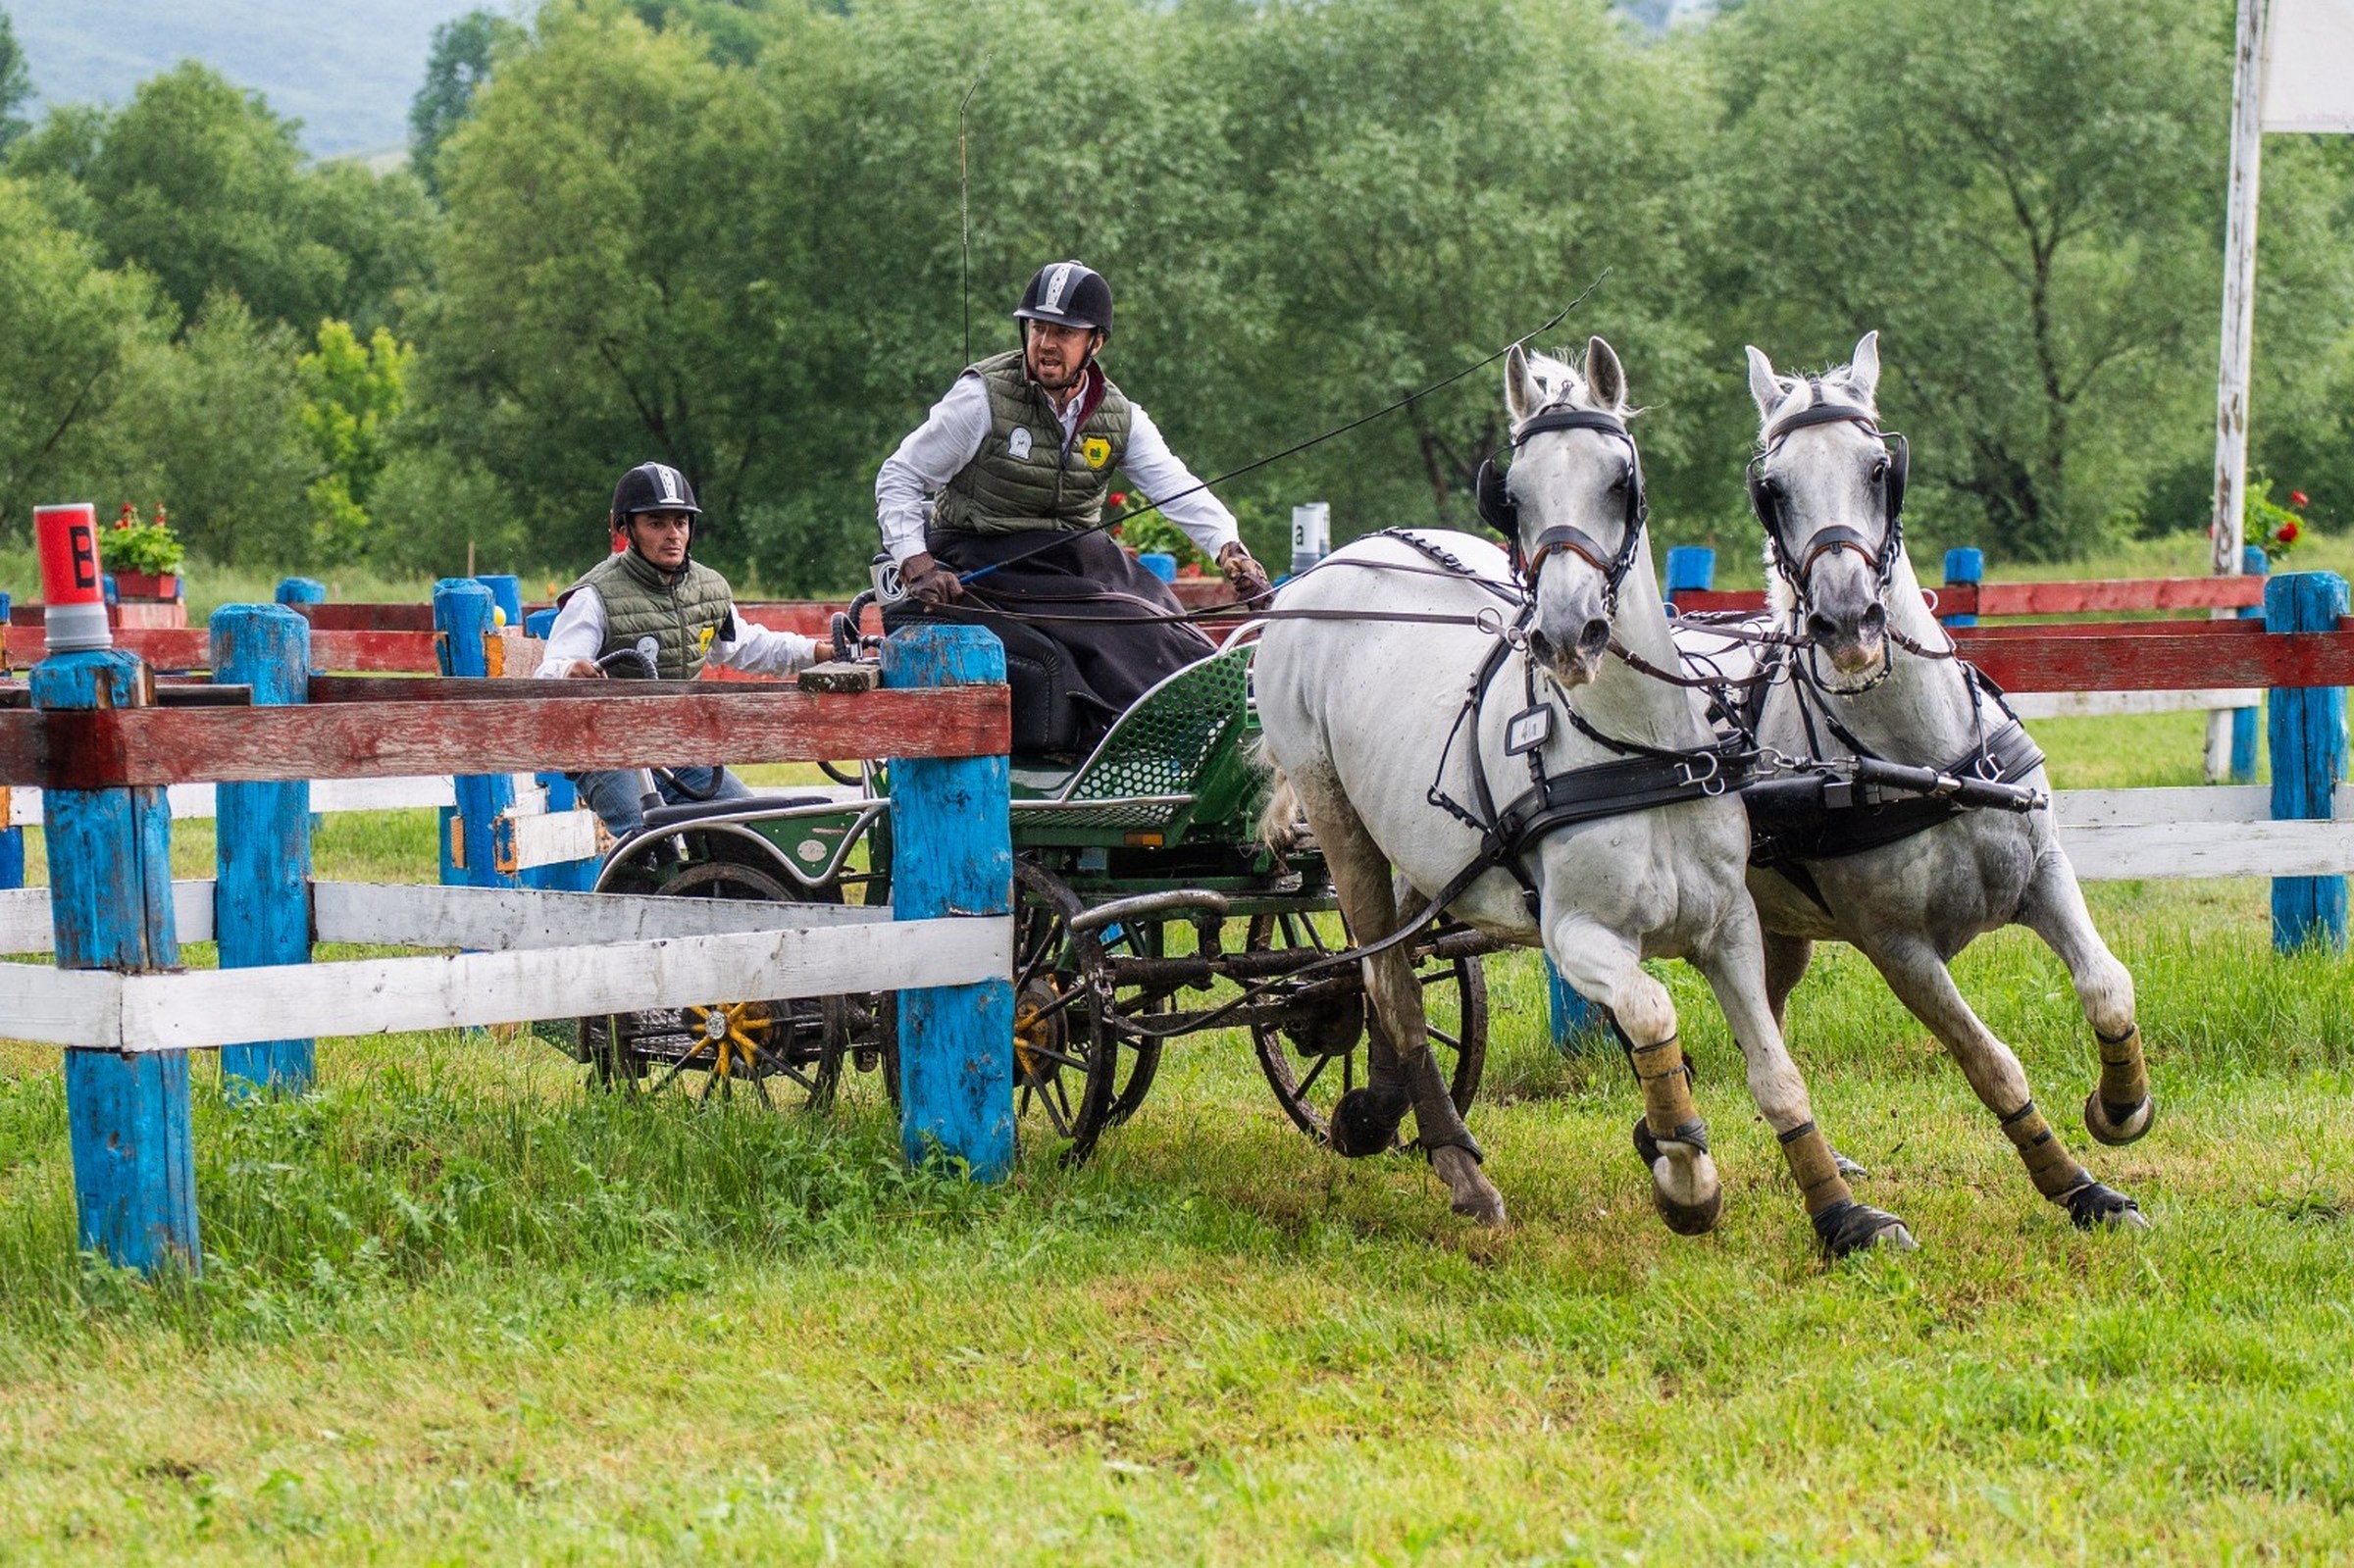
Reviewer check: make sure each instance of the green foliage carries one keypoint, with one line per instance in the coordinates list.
(68, 329)
(16, 84)
(464, 52)
(151, 546)
(351, 394)
(2269, 526)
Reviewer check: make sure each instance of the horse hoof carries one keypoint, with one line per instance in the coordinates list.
(1689, 1219)
(2117, 1125)
(1469, 1191)
(1851, 1227)
(1366, 1121)
(2090, 1204)
(1849, 1168)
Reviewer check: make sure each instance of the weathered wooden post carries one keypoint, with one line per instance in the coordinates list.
(12, 837)
(506, 593)
(2308, 738)
(464, 620)
(2254, 563)
(262, 900)
(110, 878)
(301, 591)
(951, 855)
(1691, 569)
(1965, 566)
(1577, 1024)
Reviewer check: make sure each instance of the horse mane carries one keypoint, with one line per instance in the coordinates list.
(1564, 386)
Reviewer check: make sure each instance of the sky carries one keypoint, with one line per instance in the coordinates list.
(346, 68)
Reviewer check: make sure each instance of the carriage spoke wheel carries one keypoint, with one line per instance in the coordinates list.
(783, 1052)
(1322, 1051)
(1139, 1055)
(1064, 1050)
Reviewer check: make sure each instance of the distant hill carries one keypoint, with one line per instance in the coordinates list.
(346, 68)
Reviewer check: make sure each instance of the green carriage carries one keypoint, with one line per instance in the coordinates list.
(1144, 898)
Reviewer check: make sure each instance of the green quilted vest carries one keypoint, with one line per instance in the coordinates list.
(682, 615)
(1024, 477)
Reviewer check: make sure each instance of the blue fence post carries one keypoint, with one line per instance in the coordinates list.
(2307, 737)
(951, 855)
(462, 619)
(110, 874)
(262, 901)
(572, 876)
(506, 591)
(1577, 1024)
(2254, 563)
(12, 837)
(1690, 567)
(1967, 564)
(301, 591)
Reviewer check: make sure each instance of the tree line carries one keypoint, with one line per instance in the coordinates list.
(730, 234)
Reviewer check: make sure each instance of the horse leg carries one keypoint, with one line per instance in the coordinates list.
(1786, 961)
(1669, 1137)
(1919, 977)
(1737, 970)
(1360, 877)
(2122, 1108)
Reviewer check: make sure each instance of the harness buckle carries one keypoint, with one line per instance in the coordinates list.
(1711, 782)
(1489, 620)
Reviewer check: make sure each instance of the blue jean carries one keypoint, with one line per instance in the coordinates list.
(613, 794)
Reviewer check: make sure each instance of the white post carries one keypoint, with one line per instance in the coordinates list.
(2239, 328)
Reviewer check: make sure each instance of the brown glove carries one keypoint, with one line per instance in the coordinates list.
(1247, 578)
(929, 580)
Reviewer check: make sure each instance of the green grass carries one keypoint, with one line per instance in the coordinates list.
(458, 1309)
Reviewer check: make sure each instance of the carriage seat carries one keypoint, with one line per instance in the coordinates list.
(688, 811)
(1150, 768)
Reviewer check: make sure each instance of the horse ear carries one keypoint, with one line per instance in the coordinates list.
(1522, 396)
(1864, 371)
(1764, 388)
(1605, 377)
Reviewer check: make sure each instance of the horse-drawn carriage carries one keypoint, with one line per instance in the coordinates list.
(1142, 899)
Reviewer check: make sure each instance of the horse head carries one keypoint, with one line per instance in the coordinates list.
(1828, 484)
(1571, 505)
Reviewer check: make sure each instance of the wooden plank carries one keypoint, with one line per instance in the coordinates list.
(198, 802)
(2110, 705)
(525, 840)
(2120, 594)
(520, 919)
(52, 1006)
(2046, 631)
(2197, 804)
(2165, 659)
(391, 740)
(2150, 851)
(25, 918)
(402, 996)
(367, 617)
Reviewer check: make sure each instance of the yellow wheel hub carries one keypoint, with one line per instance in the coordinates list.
(1037, 1032)
(733, 1036)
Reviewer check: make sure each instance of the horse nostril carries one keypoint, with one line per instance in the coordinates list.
(1875, 621)
(1822, 628)
(1591, 640)
(1540, 645)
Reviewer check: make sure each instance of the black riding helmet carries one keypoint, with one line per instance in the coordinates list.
(652, 487)
(1069, 293)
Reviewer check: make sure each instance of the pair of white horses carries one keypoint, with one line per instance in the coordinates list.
(1357, 715)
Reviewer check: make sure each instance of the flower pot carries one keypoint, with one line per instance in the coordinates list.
(146, 584)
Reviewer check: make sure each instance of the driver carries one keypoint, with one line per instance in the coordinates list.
(664, 615)
(988, 506)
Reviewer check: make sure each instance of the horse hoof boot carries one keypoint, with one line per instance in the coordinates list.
(1366, 1121)
(1469, 1191)
(2117, 1125)
(2090, 1205)
(1851, 1227)
(1695, 1210)
(1847, 1167)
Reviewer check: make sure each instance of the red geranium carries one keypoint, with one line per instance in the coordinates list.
(1120, 498)
(2286, 532)
(2296, 497)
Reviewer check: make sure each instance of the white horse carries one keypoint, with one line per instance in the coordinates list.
(1361, 717)
(1829, 486)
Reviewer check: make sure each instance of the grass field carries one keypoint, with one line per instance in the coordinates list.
(456, 1309)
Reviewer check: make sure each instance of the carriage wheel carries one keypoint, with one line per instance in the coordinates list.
(787, 1052)
(1313, 1059)
(1140, 1056)
(1064, 1053)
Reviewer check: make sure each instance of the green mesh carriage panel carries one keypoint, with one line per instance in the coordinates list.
(1150, 768)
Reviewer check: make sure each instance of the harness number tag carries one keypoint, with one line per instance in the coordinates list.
(1527, 731)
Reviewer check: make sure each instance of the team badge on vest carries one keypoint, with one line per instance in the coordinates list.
(1017, 445)
(702, 641)
(1097, 450)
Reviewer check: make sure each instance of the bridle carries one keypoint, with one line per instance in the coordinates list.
(1889, 475)
(1500, 512)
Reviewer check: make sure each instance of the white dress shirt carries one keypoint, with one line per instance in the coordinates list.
(951, 434)
(580, 633)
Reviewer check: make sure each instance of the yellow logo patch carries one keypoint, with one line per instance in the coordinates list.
(703, 643)
(1097, 450)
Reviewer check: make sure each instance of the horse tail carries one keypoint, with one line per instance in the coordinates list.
(1280, 826)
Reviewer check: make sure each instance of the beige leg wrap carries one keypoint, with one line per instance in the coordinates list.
(1667, 1107)
(2049, 1164)
(1815, 1170)
(2125, 1080)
